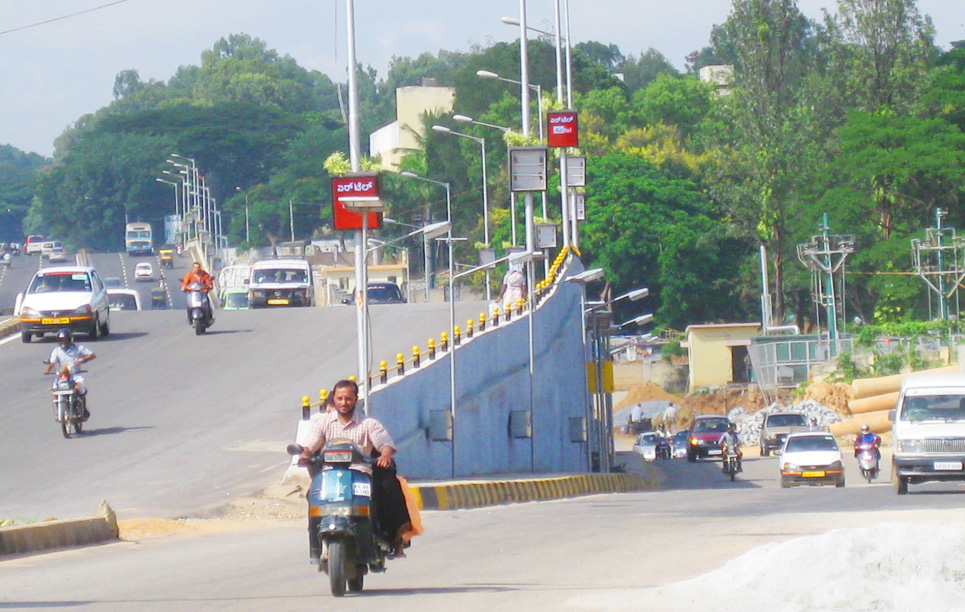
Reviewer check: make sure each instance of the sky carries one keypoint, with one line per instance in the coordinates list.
(58, 58)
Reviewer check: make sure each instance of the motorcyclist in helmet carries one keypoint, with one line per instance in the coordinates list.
(867, 437)
(70, 356)
(730, 440)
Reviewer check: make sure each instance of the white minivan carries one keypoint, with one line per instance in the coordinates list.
(281, 282)
(928, 430)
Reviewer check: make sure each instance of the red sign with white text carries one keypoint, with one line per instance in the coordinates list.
(354, 186)
(562, 129)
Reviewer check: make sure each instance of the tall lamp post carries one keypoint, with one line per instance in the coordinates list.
(487, 74)
(485, 192)
(429, 232)
(247, 233)
(427, 267)
(452, 303)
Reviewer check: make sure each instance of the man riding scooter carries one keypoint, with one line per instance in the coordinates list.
(200, 276)
(866, 438)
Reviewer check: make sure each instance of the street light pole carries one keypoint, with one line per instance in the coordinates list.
(247, 234)
(482, 143)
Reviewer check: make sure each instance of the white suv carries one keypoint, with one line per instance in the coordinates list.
(66, 296)
(928, 430)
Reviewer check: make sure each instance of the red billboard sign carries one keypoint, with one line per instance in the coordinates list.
(562, 129)
(354, 186)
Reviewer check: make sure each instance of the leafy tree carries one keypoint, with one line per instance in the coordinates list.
(18, 173)
(681, 102)
(640, 72)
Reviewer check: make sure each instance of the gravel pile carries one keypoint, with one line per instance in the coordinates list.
(749, 425)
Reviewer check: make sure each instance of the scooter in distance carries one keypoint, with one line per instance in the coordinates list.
(199, 315)
(68, 405)
(341, 512)
(867, 455)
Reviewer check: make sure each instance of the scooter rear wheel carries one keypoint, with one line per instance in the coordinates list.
(336, 567)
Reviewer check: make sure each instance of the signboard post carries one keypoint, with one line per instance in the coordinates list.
(352, 187)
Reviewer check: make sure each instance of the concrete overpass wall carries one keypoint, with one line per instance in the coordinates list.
(492, 381)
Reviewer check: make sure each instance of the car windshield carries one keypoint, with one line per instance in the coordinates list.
(122, 301)
(236, 300)
(811, 443)
(647, 439)
(62, 282)
(945, 407)
(280, 276)
(715, 425)
(785, 420)
(384, 293)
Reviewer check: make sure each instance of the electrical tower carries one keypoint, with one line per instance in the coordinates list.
(824, 255)
(939, 260)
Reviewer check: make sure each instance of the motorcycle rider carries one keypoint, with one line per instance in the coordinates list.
(730, 440)
(867, 437)
(198, 275)
(371, 437)
(67, 355)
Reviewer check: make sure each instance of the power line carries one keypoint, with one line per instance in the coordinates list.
(90, 10)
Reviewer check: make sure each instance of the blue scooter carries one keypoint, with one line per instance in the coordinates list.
(340, 501)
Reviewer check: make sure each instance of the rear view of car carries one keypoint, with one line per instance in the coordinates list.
(385, 293)
(33, 244)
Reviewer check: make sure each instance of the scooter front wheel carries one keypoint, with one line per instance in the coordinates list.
(336, 567)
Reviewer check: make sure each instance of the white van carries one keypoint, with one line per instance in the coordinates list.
(281, 282)
(928, 430)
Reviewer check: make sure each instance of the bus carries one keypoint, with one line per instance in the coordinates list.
(138, 239)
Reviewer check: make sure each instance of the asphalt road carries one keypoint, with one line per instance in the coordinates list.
(181, 423)
(599, 552)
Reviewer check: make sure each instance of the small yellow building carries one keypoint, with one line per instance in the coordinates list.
(718, 353)
(404, 135)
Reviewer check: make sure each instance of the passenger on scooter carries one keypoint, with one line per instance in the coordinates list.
(369, 435)
(69, 355)
(867, 437)
(730, 440)
(197, 275)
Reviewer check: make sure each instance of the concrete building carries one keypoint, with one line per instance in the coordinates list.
(393, 141)
(720, 76)
(718, 353)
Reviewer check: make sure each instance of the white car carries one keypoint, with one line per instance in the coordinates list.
(811, 458)
(124, 299)
(646, 445)
(143, 272)
(64, 296)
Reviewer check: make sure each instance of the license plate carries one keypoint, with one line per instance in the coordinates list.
(362, 488)
(948, 465)
(714, 451)
(278, 301)
(817, 474)
(59, 321)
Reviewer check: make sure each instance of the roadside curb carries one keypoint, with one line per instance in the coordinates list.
(9, 327)
(452, 496)
(60, 533)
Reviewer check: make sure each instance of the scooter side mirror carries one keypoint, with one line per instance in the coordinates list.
(294, 449)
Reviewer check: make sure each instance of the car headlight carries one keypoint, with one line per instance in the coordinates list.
(790, 467)
(29, 313)
(909, 446)
(83, 310)
(694, 441)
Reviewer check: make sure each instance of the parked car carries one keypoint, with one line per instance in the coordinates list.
(679, 444)
(33, 244)
(811, 458)
(144, 271)
(705, 432)
(646, 445)
(385, 293)
(64, 296)
(123, 299)
(776, 428)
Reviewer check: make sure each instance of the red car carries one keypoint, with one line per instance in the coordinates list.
(705, 434)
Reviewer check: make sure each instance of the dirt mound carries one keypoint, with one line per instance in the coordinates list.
(646, 392)
(833, 395)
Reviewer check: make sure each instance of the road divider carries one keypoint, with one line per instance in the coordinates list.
(9, 327)
(60, 533)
